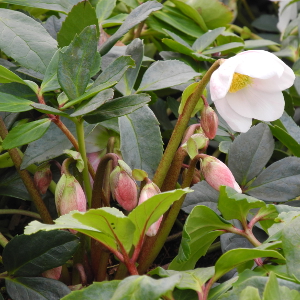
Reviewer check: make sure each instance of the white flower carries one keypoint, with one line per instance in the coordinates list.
(248, 86)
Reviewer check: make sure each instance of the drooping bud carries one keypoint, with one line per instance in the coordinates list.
(42, 178)
(69, 195)
(148, 191)
(196, 142)
(123, 186)
(209, 122)
(216, 173)
(53, 273)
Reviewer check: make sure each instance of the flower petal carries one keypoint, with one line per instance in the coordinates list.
(233, 119)
(252, 103)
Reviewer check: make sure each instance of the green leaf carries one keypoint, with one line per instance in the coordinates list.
(141, 149)
(8, 76)
(117, 107)
(94, 103)
(27, 133)
(278, 182)
(51, 144)
(192, 279)
(81, 16)
(272, 288)
(10, 103)
(252, 44)
(201, 228)
(22, 257)
(206, 39)
(77, 157)
(136, 50)
(136, 16)
(143, 287)
(234, 205)
(48, 109)
(107, 225)
(148, 212)
(250, 293)
(214, 13)
(98, 290)
(60, 6)
(75, 64)
(163, 74)
(177, 38)
(25, 40)
(290, 245)
(178, 47)
(37, 288)
(247, 162)
(104, 9)
(235, 257)
(227, 48)
(50, 81)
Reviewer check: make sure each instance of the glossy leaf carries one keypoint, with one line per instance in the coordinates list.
(27, 133)
(136, 50)
(25, 40)
(141, 149)
(75, 63)
(163, 74)
(8, 76)
(144, 287)
(94, 103)
(278, 182)
(247, 162)
(136, 16)
(37, 288)
(98, 290)
(51, 144)
(48, 109)
(235, 257)
(117, 107)
(11, 103)
(149, 211)
(22, 257)
(81, 16)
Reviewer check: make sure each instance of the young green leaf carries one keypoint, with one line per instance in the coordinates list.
(163, 74)
(104, 9)
(272, 288)
(22, 257)
(7, 76)
(136, 16)
(227, 48)
(27, 133)
(10, 103)
(48, 109)
(81, 16)
(206, 39)
(28, 42)
(75, 63)
(141, 149)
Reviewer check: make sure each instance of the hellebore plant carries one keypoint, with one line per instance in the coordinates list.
(119, 192)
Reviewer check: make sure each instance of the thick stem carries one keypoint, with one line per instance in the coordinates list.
(27, 180)
(82, 151)
(180, 127)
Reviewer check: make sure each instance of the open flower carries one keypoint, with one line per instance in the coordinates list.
(248, 86)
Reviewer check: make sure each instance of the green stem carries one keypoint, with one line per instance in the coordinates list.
(20, 212)
(3, 240)
(85, 173)
(180, 127)
(27, 180)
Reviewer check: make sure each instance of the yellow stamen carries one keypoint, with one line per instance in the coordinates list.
(239, 81)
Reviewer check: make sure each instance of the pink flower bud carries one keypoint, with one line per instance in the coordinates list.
(53, 273)
(216, 173)
(42, 178)
(69, 195)
(148, 191)
(123, 188)
(209, 122)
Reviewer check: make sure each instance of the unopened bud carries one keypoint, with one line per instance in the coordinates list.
(148, 191)
(123, 187)
(69, 195)
(196, 142)
(216, 173)
(42, 178)
(209, 122)
(53, 273)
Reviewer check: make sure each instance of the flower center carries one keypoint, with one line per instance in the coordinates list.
(239, 81)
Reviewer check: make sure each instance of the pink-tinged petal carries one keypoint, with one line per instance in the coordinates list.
(252, 103)
(220, 80)
(233, 119)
